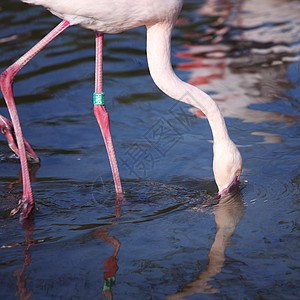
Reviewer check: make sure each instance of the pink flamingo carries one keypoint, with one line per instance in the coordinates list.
(106, 16)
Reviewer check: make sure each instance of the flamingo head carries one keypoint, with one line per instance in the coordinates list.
(227, 165)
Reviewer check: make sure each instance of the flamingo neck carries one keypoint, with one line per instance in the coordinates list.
(159, 61)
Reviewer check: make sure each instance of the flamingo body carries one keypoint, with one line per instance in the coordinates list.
(112, 16)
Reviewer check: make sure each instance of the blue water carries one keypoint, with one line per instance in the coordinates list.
(169, 238)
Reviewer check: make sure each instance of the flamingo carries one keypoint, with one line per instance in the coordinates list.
(114, 16)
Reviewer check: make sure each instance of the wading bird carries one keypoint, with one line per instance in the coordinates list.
(114, 16)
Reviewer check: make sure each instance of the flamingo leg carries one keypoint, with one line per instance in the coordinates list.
(7, 129)
(26, 204)
(102, 115)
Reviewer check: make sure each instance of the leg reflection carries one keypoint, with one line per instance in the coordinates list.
(110, 263)
(23, 292)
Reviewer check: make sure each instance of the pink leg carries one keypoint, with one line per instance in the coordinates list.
(102, 115)
(8, 130)
(26, 204)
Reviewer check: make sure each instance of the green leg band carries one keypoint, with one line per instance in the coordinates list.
(108, 283)
(98, 99)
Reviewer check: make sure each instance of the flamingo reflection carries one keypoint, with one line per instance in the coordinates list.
(23, 292)
(110, 263)
(228, 212)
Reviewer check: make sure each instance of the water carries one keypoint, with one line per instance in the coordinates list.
(170, 237)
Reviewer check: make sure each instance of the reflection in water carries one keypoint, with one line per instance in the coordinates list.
(243, 60)
(110, 263)
(22, 291)
(228, 212)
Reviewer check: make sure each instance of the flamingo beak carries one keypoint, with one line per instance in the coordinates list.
(226, 190)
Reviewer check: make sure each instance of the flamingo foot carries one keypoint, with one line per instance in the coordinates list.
(25, 207)
(8, 130)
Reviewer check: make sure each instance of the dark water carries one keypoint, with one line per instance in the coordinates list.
(169, 237)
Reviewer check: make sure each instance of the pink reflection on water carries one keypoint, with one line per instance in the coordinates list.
(242, 58)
